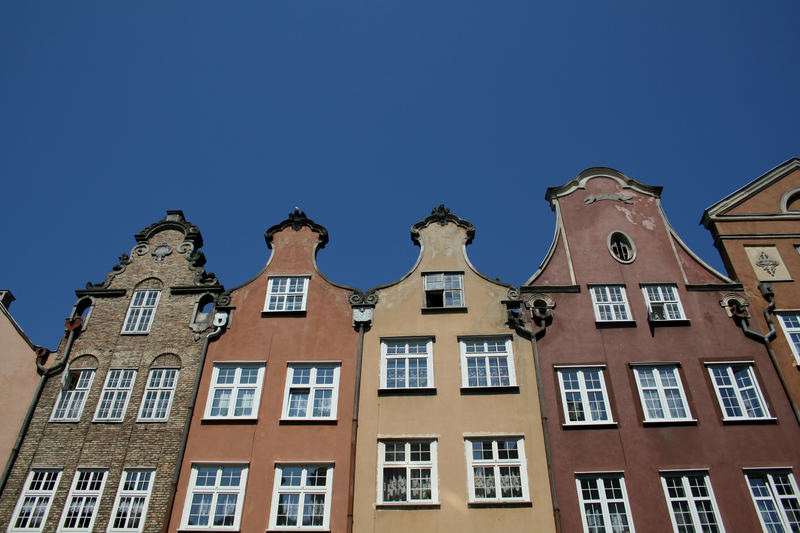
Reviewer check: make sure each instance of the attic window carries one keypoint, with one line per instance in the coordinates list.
(621, 247)
(793, 203)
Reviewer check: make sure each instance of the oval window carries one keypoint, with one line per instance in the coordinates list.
(621, 247)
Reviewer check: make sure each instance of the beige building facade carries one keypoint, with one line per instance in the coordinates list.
(449, 434)
(19, 379)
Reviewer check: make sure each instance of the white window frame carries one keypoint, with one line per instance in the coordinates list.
(690, 499)
(790, 323)
(663, 302)
(456, 294)
(235, 389)
(486, 355)
(610, 305)
(301, 491)
(404, 351)
(771, 501)
(583, 395)
(409, 466)
(73, 399)
(663, 393)
(79, 494)
(312, 388)
(115, 391)
(141, 312)
(741, 402)
(606, 495)
(135, 496)
(495, 464)
(40, 498)
(157, 397)
(215, 491)
(282, 296)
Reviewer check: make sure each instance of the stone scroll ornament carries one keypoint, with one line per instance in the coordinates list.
(767, 264)
(624, 198)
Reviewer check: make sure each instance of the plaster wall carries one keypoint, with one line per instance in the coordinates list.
(448, 414)
(17, 381)
(323, 333)
(642, 450)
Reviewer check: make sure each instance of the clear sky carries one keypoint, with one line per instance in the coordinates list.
(366, 115)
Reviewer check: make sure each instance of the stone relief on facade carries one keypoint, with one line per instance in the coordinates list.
(161, 251)
(624, 198)
(767, 263)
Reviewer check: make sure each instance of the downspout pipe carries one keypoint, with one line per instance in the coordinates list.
(362, 327)
(517, 322)
(73, 326)
(740, 315)
(220, 320)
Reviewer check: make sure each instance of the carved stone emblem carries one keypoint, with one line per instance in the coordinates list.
(767, 264)
(161, 251)
(624, 198)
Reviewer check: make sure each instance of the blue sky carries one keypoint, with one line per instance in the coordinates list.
(366, 115)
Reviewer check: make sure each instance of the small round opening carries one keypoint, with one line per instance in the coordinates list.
(621, 247)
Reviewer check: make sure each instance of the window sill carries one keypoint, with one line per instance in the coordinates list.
(59, 421)
(733, 421)
(209, 529)
(308, 421)
(409, 506)
(148, 421)
(322, 530)
(607, 324)
(500, 503)
(95, 421)
(134, 333)
(589, 425)
(676, 422)
(442, 310)
(408, 391)
(231, 420)
(509, 389)
(670, 323)
(267, 314)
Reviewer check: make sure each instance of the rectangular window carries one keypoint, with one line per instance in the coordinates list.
(604, 504)
(584, 396)
(235, 391)
(31, 511)
(83, 500)
(114, 398)
(72, 396)
(443, 289)
(661, 393)
(141, 312)
(487, 362)
(158, 395)
(496, 470)
(610, 303)
(663, 302)
(407, 472)
(691, 502)
(407, 364)
(790, 322)
(215, 496)
(301, 498)
(776, 499)
(133, 495)
(312, 392)
(287, 293)
(738, 392)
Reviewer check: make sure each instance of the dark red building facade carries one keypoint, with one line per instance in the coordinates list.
(662, 415)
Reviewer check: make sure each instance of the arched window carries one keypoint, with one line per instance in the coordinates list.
(621, 247)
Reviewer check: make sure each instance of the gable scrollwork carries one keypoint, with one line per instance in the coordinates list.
(442, 215)
(296, 220)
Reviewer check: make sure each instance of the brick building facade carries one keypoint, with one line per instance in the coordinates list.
(104, 440)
